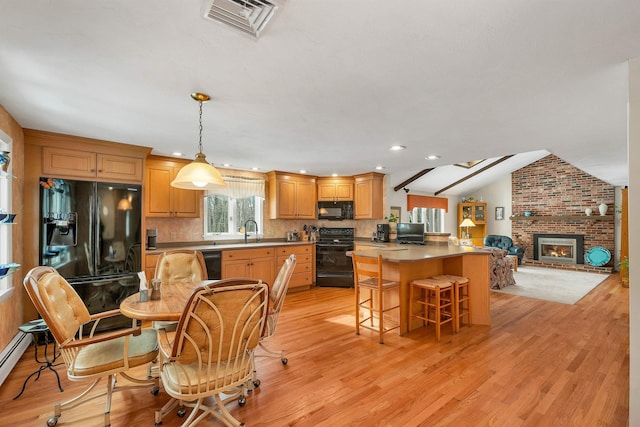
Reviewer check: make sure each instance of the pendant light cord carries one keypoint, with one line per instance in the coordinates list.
(200, 140)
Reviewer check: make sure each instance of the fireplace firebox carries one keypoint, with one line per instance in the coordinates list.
(559, 248)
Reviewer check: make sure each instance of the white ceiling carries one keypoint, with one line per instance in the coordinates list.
(332, 84)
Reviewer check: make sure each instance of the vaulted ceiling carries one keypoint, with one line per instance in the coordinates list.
(330, 85)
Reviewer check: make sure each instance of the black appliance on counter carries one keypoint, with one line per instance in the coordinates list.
(91, 234)
(333, 267)
(410, 233)
(335, 211)
(382, 233)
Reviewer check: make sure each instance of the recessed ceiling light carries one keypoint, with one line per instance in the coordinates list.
(397, 147)
(177, 154)
(255, 169)
(334, 174)
(303, 171)
(432, 157)
(379, 168)
(226, 165)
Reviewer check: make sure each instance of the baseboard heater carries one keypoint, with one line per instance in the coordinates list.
(12, 353)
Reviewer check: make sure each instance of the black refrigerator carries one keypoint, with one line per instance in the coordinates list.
(91, 233)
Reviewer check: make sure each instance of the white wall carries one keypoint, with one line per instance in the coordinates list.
(633, 145)
(498, 194)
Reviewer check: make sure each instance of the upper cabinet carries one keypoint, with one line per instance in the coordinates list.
(161, 199)
(74, 157)
(368, 201)
(335, 189)
(88, 164)
(291, 196)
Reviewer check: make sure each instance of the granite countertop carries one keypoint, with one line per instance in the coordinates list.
(218, 246)
(395, 252)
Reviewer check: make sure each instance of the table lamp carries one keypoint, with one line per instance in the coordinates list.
(466, 223)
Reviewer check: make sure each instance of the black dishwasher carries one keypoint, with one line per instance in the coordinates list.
(213, 261)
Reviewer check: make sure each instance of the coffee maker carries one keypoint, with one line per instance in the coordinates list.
(382, 233)
(152, 235)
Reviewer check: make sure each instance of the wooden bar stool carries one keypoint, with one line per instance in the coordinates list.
(462, 303)
(368, 277)
(437, 300)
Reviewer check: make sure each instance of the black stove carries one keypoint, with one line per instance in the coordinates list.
(333, 266)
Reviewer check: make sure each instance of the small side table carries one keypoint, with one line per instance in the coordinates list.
(514, 261)
(37, 328)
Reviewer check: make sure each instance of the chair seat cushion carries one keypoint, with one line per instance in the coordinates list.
(191, 379)
(452, 278)
(431, 283)
(109, 355)
(373, 283)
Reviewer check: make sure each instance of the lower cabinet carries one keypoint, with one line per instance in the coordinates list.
(150, 262)
(252, 263)
(304, 272)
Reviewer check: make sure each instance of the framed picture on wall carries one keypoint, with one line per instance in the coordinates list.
(499, 213)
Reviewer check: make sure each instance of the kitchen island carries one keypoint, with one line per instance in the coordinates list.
(405, 263)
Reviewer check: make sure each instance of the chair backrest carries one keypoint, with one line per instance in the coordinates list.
(278, 293)
(219, 327)
(497, 241)
(181, 266)
(58, 303)
(367, 271)
(281, 284)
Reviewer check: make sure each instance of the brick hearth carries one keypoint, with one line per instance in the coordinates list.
(557, 194)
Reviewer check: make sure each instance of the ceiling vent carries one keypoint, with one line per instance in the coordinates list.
(248, 16)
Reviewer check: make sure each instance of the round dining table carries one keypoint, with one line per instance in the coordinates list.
(168, 308)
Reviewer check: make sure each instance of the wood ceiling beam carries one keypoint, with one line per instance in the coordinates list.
(471, 175)
(413, 178)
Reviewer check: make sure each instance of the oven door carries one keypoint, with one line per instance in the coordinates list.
(333, 267)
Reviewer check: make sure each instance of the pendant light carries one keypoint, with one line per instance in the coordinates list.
(199, 174)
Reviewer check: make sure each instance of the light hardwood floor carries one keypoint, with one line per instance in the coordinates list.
(539, 364)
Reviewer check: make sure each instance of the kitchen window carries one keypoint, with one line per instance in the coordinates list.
(227, 210)
(432, 218)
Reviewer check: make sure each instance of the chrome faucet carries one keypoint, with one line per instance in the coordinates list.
(246, 233)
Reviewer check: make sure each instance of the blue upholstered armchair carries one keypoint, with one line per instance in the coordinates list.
(504, 242)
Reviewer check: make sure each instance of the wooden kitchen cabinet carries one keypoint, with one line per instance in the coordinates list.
(58, 162)
(161, 199)
(369, 197)
(291, 196)
(332, 189)
(150, 262)
(304, 272)
(253, 263)
(477, 212)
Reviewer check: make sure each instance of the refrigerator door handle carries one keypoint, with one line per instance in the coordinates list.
(93, 236)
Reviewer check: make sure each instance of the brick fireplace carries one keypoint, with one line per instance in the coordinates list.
(557, 194)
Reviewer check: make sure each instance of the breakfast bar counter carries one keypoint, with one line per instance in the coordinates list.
(405, 263)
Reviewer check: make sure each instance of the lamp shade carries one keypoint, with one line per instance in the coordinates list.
(467, 223)
(198, 175)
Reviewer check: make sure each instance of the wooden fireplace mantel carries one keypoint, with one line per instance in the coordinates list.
(562, 218)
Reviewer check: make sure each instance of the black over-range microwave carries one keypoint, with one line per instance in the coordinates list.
(335, 211)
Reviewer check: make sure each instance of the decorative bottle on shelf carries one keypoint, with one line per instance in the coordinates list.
(588, 211)
(603, 209)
